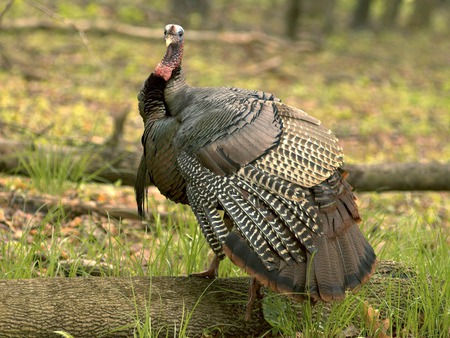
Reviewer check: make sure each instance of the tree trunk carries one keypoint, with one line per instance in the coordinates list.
(323, 10)
(113, 307)
(390, 13)
(421, 15)
(293, 18)
(361, 14)
(182, 10)
(122, 165)
(329, 17)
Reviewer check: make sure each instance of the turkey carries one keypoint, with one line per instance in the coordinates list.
(262, 178)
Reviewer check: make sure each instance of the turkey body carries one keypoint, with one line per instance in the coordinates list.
(289, 217)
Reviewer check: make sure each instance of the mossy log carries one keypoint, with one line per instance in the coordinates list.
(114, 307)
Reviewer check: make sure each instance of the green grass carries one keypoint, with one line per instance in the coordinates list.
(54, 171)
(175, 247)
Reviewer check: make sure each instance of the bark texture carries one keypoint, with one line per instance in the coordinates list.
(109, 307)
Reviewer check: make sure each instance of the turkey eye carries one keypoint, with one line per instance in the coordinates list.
(180, 34)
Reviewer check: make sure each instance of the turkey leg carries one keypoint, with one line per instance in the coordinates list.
(254, 294)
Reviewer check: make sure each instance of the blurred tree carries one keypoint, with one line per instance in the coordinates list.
(5, 9)
(421, 15)
(293, 18)
(330, 6)
(390, 13)
(191, 13)
(361, 14)
(323, 10)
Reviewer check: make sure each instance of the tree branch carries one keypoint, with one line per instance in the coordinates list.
(104, 27)
(5, 9)
(72, 207)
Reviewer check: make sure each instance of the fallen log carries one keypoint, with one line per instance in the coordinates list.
(115, 307)
(114, 163)
(400, 176)
(110, 164)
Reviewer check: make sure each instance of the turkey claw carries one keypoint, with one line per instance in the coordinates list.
(211, 273)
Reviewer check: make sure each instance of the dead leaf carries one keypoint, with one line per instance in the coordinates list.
(379, 326)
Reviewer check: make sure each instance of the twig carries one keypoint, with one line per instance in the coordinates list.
(3, 12)
(17, 127)
(36, 134)
(45, 130)
(265, 66)
(31, 133)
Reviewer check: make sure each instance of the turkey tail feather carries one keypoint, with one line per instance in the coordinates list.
(140, 186)
(323, 275)
(343, 260)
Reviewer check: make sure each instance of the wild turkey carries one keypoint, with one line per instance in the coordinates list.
(289, 217)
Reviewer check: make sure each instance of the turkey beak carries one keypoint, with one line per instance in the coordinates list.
(169, 40)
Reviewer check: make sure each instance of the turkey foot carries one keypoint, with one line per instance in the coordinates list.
(253, 295)
(211, 272)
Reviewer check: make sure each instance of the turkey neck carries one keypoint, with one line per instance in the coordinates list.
(175, 90)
